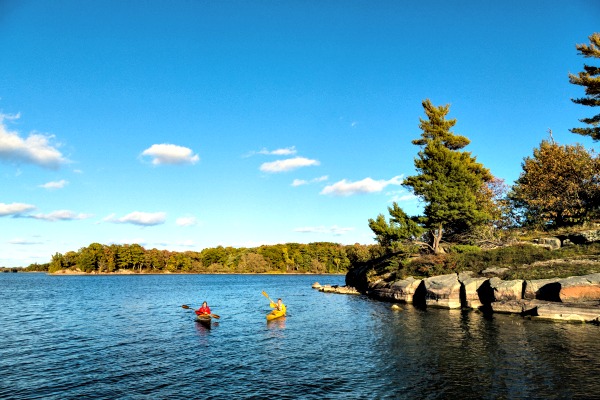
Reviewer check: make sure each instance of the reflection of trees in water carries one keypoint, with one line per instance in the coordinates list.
(466, 354)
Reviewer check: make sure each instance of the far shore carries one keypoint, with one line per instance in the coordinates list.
(128, 272)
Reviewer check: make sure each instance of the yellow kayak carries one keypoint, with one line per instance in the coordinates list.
(275, 314)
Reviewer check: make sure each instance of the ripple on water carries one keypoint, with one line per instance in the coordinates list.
(128, 337)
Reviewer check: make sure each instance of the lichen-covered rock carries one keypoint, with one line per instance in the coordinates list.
(507, 290)
(442, 291)
(316, 285)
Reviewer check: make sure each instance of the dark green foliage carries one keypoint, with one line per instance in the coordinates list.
(448, 181)
(400, 229)
(590, 80)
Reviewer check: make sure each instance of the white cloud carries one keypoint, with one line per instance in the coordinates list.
(55, 184)
(170, 154)
(24, 242)
(400, 198)
(15, 209)
(139, 218)
(35, 149)
(334, 230)
(60, 215)
(286, 151)
(367, 185)
(186, 221)
(288, 164)
(300, 182)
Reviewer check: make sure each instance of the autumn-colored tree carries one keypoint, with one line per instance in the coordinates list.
(590, 79)
(448, 180)
(559, 185)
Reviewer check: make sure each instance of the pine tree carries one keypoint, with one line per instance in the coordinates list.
(590, 79)
(448, 180)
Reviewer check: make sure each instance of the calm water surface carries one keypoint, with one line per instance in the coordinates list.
(66, 337)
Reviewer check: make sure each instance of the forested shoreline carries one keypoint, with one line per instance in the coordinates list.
(319, 257)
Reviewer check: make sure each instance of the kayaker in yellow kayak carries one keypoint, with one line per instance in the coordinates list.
(279, 306)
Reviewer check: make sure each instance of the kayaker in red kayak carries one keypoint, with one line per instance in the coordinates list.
(204, 310)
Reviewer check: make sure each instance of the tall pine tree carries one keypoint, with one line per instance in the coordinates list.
(590, 79)
(448, 180)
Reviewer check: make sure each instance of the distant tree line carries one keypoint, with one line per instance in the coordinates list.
(319, 257)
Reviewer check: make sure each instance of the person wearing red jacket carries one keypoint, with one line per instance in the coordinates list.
(204, 310)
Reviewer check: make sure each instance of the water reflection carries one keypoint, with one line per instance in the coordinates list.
(452, 353)
(278, 323)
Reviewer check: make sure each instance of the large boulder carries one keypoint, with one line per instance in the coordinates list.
(578, 289)
(402, 290)
(471, 291)
(542, 289)
(507, 290)
(442, 291)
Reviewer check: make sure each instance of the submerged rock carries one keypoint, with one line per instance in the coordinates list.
(338, 289)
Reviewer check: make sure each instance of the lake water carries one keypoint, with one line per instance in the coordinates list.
(67, 337)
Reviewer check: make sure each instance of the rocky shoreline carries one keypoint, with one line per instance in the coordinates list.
(572, 299)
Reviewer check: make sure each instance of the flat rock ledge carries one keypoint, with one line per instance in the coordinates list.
(335, 289)
(573, 299)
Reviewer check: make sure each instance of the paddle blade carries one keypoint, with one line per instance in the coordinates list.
(265, 294)
(215, 316)
(186, 307)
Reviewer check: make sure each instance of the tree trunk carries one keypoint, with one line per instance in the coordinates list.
(436, 235)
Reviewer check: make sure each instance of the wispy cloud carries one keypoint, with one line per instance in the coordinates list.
(139, 218)
(286, 151)
(367, 185)
(55, 185)
(60, 215)
(170, 154)
(15, 209)
(300, 182)
(24, 242)
(35, 149)
(288, 164)
(334, 230)
(402, 197)
(186, 221)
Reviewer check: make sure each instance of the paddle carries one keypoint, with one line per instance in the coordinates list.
(267, 296)
(190, 308)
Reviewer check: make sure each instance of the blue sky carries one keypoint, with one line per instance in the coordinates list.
(183, 125)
